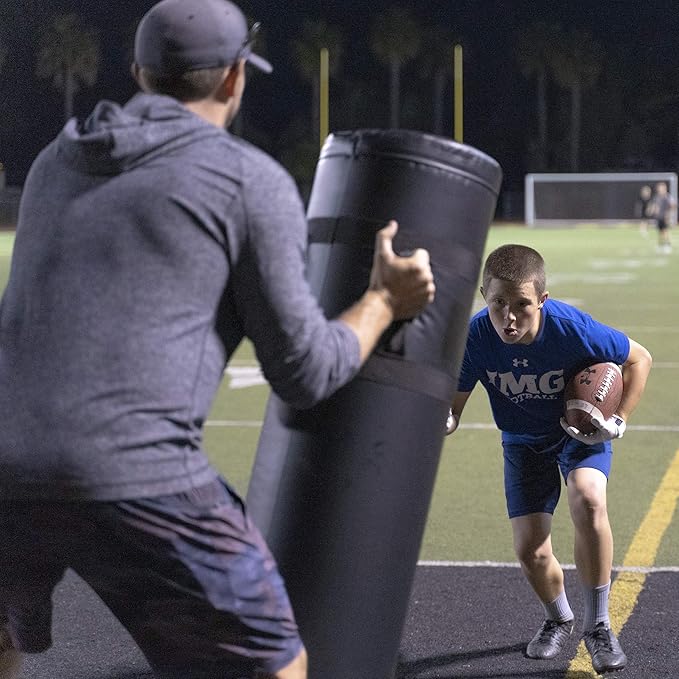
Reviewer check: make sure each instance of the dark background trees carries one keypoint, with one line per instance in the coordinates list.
(576, 86)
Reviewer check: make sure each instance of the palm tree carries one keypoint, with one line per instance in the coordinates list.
(299, 154)
(535, 46)
(437, 66)
(576, 64)
(395, 41)
(68, 54)
(316, 34)
(239, 125)
(355, 103)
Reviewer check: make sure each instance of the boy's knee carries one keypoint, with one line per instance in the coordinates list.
(588, 505)
(532, 557)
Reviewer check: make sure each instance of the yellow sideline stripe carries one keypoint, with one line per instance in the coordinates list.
(642, 551)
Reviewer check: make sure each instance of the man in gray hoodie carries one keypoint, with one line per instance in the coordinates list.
(150, 242)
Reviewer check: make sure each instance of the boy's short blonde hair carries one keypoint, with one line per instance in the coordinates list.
(516, 264)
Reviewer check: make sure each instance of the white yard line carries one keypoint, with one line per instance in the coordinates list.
(464, 425)
(567, 566)
(243, 376)
(234, 423)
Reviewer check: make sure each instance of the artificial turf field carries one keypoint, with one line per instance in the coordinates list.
(471, 612)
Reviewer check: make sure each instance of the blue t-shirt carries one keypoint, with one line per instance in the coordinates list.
(525, 382)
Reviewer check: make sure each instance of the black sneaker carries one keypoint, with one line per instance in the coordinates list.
(550, 639)
(603, 646)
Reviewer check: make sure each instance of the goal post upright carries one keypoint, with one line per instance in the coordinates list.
(529, 199)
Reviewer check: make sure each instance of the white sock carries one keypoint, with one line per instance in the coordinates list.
(559, 609)
(596, 606)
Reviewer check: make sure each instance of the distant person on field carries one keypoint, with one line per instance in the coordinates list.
(642, 207)
(662, 210)
(150, 243)
(523, 348)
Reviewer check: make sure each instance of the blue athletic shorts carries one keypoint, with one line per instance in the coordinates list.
(188, 575)
(532, 466)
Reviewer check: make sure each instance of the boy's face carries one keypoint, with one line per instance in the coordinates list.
(514, 310)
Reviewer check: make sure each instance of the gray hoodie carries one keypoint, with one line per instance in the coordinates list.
(149, 244)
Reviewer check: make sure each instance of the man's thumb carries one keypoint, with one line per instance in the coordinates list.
(385, 237)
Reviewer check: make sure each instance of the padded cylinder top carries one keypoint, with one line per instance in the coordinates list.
(443, 195)
(417, 147)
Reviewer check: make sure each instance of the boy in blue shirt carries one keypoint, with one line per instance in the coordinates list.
(523, 348)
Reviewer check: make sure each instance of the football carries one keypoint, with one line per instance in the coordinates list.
(594, 391)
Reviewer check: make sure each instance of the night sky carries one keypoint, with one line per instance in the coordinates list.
(641, 40)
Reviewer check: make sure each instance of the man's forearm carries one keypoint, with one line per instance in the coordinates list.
(368, 318)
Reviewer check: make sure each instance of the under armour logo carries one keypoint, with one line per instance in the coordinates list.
(520, 362)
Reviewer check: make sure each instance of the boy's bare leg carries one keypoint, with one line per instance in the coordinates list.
(297, 669)
(593, 537)
(10, 658)
(533, 547)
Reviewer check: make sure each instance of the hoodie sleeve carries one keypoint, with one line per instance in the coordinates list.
(304, 356)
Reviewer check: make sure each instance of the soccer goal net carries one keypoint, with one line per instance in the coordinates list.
(552, 199)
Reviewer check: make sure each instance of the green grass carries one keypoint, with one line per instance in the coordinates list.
(616, 275)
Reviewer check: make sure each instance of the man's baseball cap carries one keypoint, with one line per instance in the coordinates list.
(176, 36)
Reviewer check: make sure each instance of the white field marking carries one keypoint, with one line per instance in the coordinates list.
(248, 361)
(242, 376)
(252, 370)
(630, 263)
(234, 423)
(616, 263)
(567, 566)
(464, 425)
(613, 277)
(632, 427)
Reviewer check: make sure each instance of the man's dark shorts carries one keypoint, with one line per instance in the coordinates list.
(188, 575)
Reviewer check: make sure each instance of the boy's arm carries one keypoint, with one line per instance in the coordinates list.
(634, 375)
(456, 410)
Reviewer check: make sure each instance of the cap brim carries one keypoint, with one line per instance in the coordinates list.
(259, 62)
